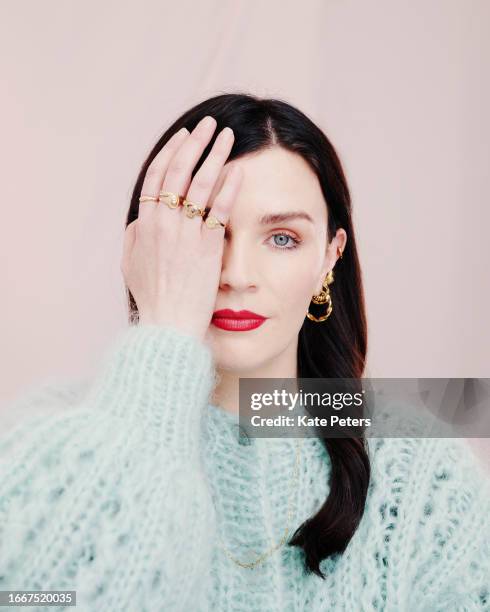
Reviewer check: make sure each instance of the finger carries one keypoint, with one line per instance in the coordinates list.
(205, 180)
(128, 244)
(179, 172)
(155, 172)
(223, 203)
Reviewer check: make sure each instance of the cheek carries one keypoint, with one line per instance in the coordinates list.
(292, 293)
(293, 281)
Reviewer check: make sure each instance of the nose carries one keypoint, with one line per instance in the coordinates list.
(238, 269)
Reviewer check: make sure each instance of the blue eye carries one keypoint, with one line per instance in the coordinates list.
(283, 246)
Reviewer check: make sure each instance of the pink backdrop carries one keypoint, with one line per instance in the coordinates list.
(401, 88)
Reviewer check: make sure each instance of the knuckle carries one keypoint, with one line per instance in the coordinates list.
(202, 182)
(130, 230)
(141, 225)
(200, 137)
(161, 225)
(219, 206)
(153, 172)
(221, 147)
(124, 267)
(176, 167)
(145, 230)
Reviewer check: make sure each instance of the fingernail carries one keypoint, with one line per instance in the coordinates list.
(227, 133)
(208, 121)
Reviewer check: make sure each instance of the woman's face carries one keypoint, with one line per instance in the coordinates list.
(271, 267)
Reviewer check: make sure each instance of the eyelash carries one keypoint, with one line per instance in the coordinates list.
(286, 248)
(295, 245)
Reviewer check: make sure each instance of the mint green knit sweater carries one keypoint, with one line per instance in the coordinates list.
(125, 490)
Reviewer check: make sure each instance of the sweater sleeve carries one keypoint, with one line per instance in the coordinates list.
(110, 498)
(451, 547)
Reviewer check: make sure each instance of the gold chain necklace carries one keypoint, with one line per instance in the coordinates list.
(269, 552)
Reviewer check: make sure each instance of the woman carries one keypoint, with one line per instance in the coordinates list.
(136, 490)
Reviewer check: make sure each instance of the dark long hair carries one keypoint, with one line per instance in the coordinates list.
(335, 348)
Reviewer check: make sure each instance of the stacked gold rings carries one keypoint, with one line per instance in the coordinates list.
(173, 200)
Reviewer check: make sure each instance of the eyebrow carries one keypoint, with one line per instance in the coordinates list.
(284, 216)
(272, 218)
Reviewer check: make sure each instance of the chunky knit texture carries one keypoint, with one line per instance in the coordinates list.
(126, 487)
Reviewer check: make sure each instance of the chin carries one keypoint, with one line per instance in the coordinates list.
(236, 350)
(238, 363)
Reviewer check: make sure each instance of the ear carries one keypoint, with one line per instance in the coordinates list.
(332, 254)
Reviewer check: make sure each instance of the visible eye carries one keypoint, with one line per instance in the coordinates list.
(285, 241)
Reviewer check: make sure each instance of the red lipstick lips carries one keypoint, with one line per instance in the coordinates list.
(237, 320)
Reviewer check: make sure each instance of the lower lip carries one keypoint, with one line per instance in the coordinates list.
(237, 324)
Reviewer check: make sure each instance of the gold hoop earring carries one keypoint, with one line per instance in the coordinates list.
(323, 297)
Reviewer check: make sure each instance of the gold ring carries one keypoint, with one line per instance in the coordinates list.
(172, 200)
(213, 222)
(192, 210)
(148, 199)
